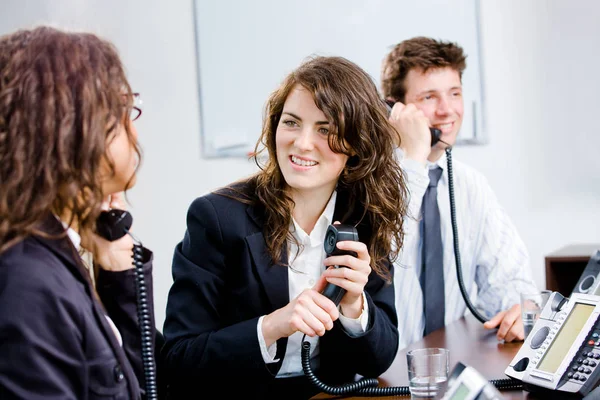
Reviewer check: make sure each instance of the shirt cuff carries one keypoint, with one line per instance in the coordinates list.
(268, 353)
(357, 326)
(415, 170)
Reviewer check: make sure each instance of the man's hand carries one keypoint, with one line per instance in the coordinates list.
(510, 324)
(413, 127)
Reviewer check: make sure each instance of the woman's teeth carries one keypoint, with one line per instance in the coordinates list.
(303, 163)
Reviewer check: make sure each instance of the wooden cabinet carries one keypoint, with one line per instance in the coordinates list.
(565, 265)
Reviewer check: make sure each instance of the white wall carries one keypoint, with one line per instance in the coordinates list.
(542, 91)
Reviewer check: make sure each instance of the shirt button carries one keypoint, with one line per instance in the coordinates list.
(119, 376)
(311, 282)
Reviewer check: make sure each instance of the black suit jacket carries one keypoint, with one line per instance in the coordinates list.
(224, 280)
(55, 339)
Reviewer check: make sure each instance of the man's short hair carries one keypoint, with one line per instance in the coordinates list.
(422, 53)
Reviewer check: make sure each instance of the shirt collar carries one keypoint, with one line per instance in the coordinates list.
(74, 236)
(441, 162)
(317, 235)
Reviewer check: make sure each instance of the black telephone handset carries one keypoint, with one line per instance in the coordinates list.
(435, 132)
(113, 225)
(589, 281)
(337, 233)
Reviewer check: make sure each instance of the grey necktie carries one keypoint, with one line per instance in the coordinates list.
(432, 273)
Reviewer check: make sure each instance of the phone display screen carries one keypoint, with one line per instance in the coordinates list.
(565, 337)
(461, 393)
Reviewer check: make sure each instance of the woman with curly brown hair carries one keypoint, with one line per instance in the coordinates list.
(68, 149)
(249, 272)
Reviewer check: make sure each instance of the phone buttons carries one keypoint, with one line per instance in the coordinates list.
(119, 376)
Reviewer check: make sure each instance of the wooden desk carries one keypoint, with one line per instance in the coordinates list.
(469, 343)
(564, 266)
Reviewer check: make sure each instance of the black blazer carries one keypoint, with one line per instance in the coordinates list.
(55, 339)
(224, 280)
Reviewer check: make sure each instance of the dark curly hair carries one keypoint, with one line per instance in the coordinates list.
(62, 94)
(420, 53)
(371, 184)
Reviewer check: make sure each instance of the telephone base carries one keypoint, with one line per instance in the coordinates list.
(544, 393)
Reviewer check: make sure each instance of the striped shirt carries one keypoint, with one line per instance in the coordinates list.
(494, 259)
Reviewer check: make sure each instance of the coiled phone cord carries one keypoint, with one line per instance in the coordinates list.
(145, 322)
(369, 386)
(112, 225)
(362, 387)
(506, 384)
(461, 283)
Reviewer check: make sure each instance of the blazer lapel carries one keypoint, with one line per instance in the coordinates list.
(274, 278)
(65, 250)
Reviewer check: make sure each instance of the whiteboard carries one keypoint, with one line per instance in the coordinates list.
(246, 48)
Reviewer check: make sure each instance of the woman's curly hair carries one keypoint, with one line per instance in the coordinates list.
(62, 94)
(371, 185)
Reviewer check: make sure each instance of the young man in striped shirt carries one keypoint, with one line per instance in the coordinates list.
(422, 76)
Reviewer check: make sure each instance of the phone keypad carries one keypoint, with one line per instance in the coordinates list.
(587, 359)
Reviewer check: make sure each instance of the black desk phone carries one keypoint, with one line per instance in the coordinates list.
(589, 282)
(560, 356)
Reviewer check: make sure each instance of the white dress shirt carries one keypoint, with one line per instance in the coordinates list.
(494, 259)
(76, 239)
(305, 268)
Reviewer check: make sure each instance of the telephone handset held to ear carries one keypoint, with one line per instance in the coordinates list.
(435, 132)
(337, 233)
(113, 225)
